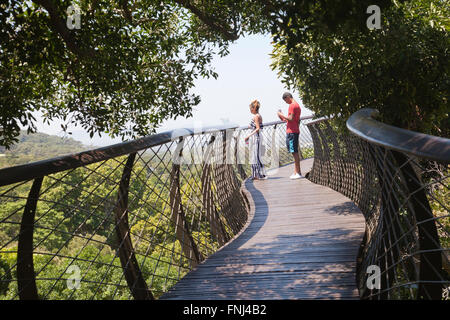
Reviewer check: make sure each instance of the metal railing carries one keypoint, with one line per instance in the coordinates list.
(128, 220)
(400, 181)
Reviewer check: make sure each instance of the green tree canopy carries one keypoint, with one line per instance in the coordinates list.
(132, 64)
(129, 66)
(401, 69)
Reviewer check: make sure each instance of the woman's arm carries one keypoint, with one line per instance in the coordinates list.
(258, 127)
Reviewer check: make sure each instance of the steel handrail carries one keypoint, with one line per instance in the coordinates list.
(42, 168)
(363, 124)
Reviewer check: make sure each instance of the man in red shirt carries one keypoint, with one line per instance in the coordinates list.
(292, 131)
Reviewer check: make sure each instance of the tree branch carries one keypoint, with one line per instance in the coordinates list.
(211, 22)
(126, 11)
(269, 7)
(59, 26)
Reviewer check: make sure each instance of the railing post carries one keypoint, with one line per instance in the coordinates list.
(337, 167)
(26, 276)
(226, 182)
(182, 230)
(429, 244)
(237, 157)
(216, 226)
(319, 163)
(275, 152)
(387, 223)
(222, 181)
(326, 164)
(132, 272)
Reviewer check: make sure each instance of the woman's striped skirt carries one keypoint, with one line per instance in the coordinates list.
(256, 155)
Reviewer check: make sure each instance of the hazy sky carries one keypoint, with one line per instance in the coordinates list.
(244, 75)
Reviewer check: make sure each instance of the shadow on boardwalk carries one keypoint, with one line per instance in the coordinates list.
(345, 208)
(300, 244)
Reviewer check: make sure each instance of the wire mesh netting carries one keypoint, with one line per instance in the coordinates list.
(405, 202)
(129, 226)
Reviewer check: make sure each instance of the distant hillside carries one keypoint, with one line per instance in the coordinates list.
(38, 146)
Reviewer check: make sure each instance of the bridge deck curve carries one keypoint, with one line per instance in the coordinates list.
(301, 242)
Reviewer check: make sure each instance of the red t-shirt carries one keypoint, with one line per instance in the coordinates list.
(293, 125)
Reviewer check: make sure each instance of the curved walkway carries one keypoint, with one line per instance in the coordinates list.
(301, 242)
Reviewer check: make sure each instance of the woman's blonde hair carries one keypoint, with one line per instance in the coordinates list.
(255, 104)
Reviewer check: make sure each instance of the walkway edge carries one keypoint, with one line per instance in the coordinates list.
(250, 216)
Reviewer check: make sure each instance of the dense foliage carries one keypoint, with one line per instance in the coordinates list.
(128, 67)
(131, 65)
(401, 69)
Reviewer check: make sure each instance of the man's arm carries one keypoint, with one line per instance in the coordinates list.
(283, 118)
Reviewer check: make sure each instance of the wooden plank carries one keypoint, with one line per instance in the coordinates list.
(301, 243)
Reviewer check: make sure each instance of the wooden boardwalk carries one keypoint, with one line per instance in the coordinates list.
(301, 242)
